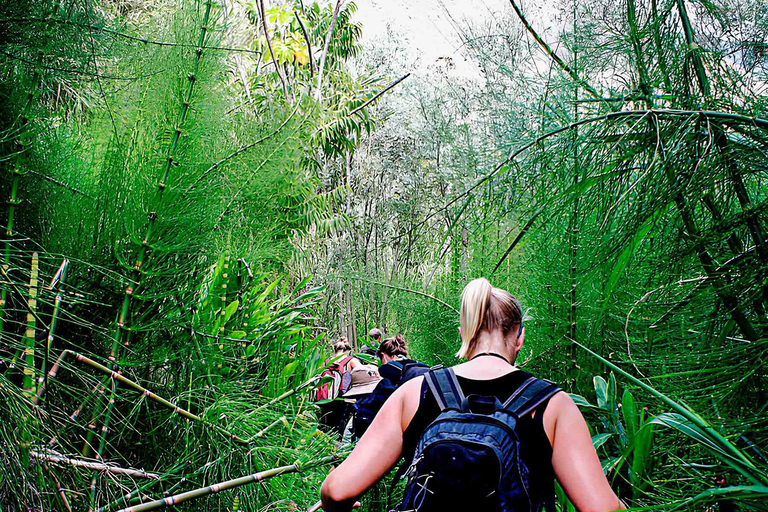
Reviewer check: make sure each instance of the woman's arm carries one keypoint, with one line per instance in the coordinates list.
(375, 454)
(574, 458)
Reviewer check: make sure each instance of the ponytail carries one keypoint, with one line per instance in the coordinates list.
(485, 308)
(393, 347)
(341, 345)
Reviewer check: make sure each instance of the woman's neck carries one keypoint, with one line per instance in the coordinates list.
(492, 343)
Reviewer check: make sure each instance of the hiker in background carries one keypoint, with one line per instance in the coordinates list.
(375, 335)
(396, 369)
(371, 346)
(338, 367)
(365, 379)
(466, 450)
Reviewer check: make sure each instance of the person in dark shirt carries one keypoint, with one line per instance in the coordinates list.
(555, 440)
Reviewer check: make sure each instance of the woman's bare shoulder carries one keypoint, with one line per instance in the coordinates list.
(560, 406)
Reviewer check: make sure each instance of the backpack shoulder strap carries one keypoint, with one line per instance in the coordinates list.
(445, 388)
(532, 393)
(343, 363)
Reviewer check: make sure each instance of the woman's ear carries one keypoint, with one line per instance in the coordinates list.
(518, 344)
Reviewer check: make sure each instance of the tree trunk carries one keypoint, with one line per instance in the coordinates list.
(319, 91)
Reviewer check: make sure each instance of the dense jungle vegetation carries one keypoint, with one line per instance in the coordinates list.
(200, 196)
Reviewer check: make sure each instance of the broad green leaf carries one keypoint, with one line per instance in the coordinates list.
(629, 413)
(735, 457)
(288, 370)
(301, 285)
(238, 335)
(601, 390)
(641, 458)
(250, 350)
(599, 440)
(581, 401)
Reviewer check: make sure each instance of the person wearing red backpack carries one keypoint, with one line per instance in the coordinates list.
(339, 368)
(482, 435)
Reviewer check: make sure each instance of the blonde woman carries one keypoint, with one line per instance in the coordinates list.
(554, 441)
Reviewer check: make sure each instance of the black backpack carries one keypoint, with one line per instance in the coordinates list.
(393, 375)
(468, 458)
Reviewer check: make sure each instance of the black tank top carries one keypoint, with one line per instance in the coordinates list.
(535, 449)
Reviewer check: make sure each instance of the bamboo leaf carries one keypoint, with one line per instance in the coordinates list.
(231, 310)
(626, 255)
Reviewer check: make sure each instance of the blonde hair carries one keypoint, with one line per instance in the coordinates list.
(341, 345)
(485, 308)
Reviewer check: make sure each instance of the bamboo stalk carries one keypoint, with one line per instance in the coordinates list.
(721, 140)
(378, 95)
(150, 395)
(53, 457)
(229, 484)
(103, 439)
(29, 336)
(551, 53)
(123, 332)
(260, 433)
(14, 200)
(287, 394)
(61, 274)
(725, 117)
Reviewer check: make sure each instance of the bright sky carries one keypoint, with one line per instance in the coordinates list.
(426, 26)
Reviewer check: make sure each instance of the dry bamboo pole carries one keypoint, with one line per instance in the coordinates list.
(62, 493)
(229, 484)
(137, 387)
(53, 457)
(127, 498)
(29, 336)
